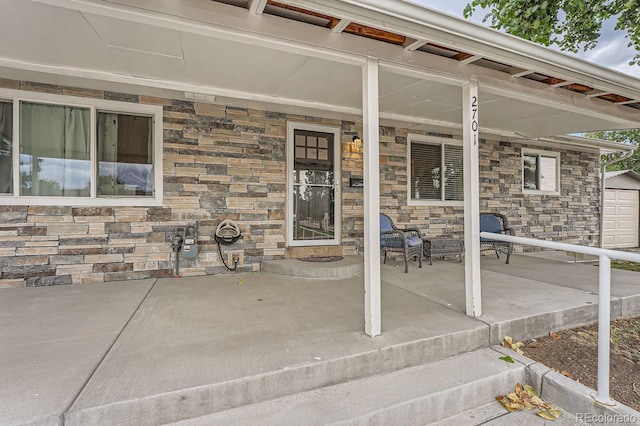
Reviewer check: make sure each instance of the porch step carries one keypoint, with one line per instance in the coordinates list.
(346, 267)
(412, 396)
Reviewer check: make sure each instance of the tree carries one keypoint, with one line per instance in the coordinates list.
(624, 136)
(571, 24)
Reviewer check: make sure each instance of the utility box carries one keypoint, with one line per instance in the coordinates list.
(190, 243)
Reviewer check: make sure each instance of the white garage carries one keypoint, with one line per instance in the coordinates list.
(622, 209)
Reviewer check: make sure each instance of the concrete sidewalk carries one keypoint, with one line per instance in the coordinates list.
(162, 351)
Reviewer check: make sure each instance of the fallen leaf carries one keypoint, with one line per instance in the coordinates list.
(240, 282)
(545, 415)
(554, 335)
(519, 388)
(508, 359)
(566, 373)
(507, 404)
(513, 397)
(530, 390)
(534, 345)
(555, 413)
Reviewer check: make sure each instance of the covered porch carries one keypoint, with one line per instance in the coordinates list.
(284, 350)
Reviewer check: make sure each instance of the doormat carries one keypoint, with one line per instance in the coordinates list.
(321, 258)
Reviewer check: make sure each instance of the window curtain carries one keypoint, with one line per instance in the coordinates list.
(6, 147)
(54, 150)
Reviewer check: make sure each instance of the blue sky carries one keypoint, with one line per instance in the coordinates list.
(611, 51)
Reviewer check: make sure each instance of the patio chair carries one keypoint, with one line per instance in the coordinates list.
(407, 241)
(499, 224)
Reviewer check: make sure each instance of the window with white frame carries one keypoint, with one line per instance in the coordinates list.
(540, 171)
(435, 170)
(79, 151)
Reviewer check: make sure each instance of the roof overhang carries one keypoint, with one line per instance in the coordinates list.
(215, 52)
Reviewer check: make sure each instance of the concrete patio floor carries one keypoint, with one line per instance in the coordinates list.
(147, 352)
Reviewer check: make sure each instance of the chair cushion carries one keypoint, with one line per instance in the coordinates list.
(490, 224)
(385, 223)
(413, 241)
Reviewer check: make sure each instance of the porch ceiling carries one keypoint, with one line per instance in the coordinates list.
(202, 47)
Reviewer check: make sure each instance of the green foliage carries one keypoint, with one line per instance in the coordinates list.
(623, 136)
(571, 24)
(628, 266)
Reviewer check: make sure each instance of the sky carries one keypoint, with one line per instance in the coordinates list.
(611, 50)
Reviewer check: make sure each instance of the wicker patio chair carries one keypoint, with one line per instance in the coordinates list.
(407, 241)
(499, 224)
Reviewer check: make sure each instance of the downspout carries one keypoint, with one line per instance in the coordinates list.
(610, 159)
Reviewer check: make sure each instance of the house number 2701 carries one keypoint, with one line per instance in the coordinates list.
(474, 118)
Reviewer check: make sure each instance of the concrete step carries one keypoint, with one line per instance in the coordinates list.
(412, 396)
(348, 266)
(494, 414)
(289, 382)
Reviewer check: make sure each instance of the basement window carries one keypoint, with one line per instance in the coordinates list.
(435, 169)
(76, 151)
(540, 172)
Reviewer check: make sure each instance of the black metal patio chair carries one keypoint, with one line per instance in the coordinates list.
(407, 241)
(499, 224)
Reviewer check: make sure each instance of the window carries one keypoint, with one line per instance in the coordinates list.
(6, 147)
(436, 170)
(75, 151)
(125, 154)
(540, 171)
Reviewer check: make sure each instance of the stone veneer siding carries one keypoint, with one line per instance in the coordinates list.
(571, 217)
(227, 162)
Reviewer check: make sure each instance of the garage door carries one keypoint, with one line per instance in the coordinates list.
(621, 218)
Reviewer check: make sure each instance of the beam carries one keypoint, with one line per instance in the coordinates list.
(371, 135)
(416, 45)
(257, 6)
(522, 73)
(177, 86)
(631, 101)
(340, 26)
(471, 59)
(596, 93)
(562, 83)
(470, 142)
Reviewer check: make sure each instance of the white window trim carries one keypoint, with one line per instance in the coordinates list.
(337, 155)
(435, 140)
(154, 111)
(553, 154)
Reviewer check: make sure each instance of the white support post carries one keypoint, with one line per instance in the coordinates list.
(470, 140)
(604, 329)
(371, 141)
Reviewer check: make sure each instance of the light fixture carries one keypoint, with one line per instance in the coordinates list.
(356, 144)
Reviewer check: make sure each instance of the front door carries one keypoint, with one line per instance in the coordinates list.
(313, 201)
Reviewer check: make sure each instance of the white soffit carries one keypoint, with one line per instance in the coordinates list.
(136, 36)
(326, 82)
(50, 35)
(149, 65)
(237, 66)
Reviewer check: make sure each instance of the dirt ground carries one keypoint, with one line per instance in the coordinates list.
(574, 353)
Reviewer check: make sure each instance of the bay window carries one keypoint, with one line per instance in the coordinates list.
(76, 151)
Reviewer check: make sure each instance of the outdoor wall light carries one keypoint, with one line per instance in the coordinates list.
(356, 145)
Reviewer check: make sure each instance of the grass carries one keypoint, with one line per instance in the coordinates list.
(627, 266)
